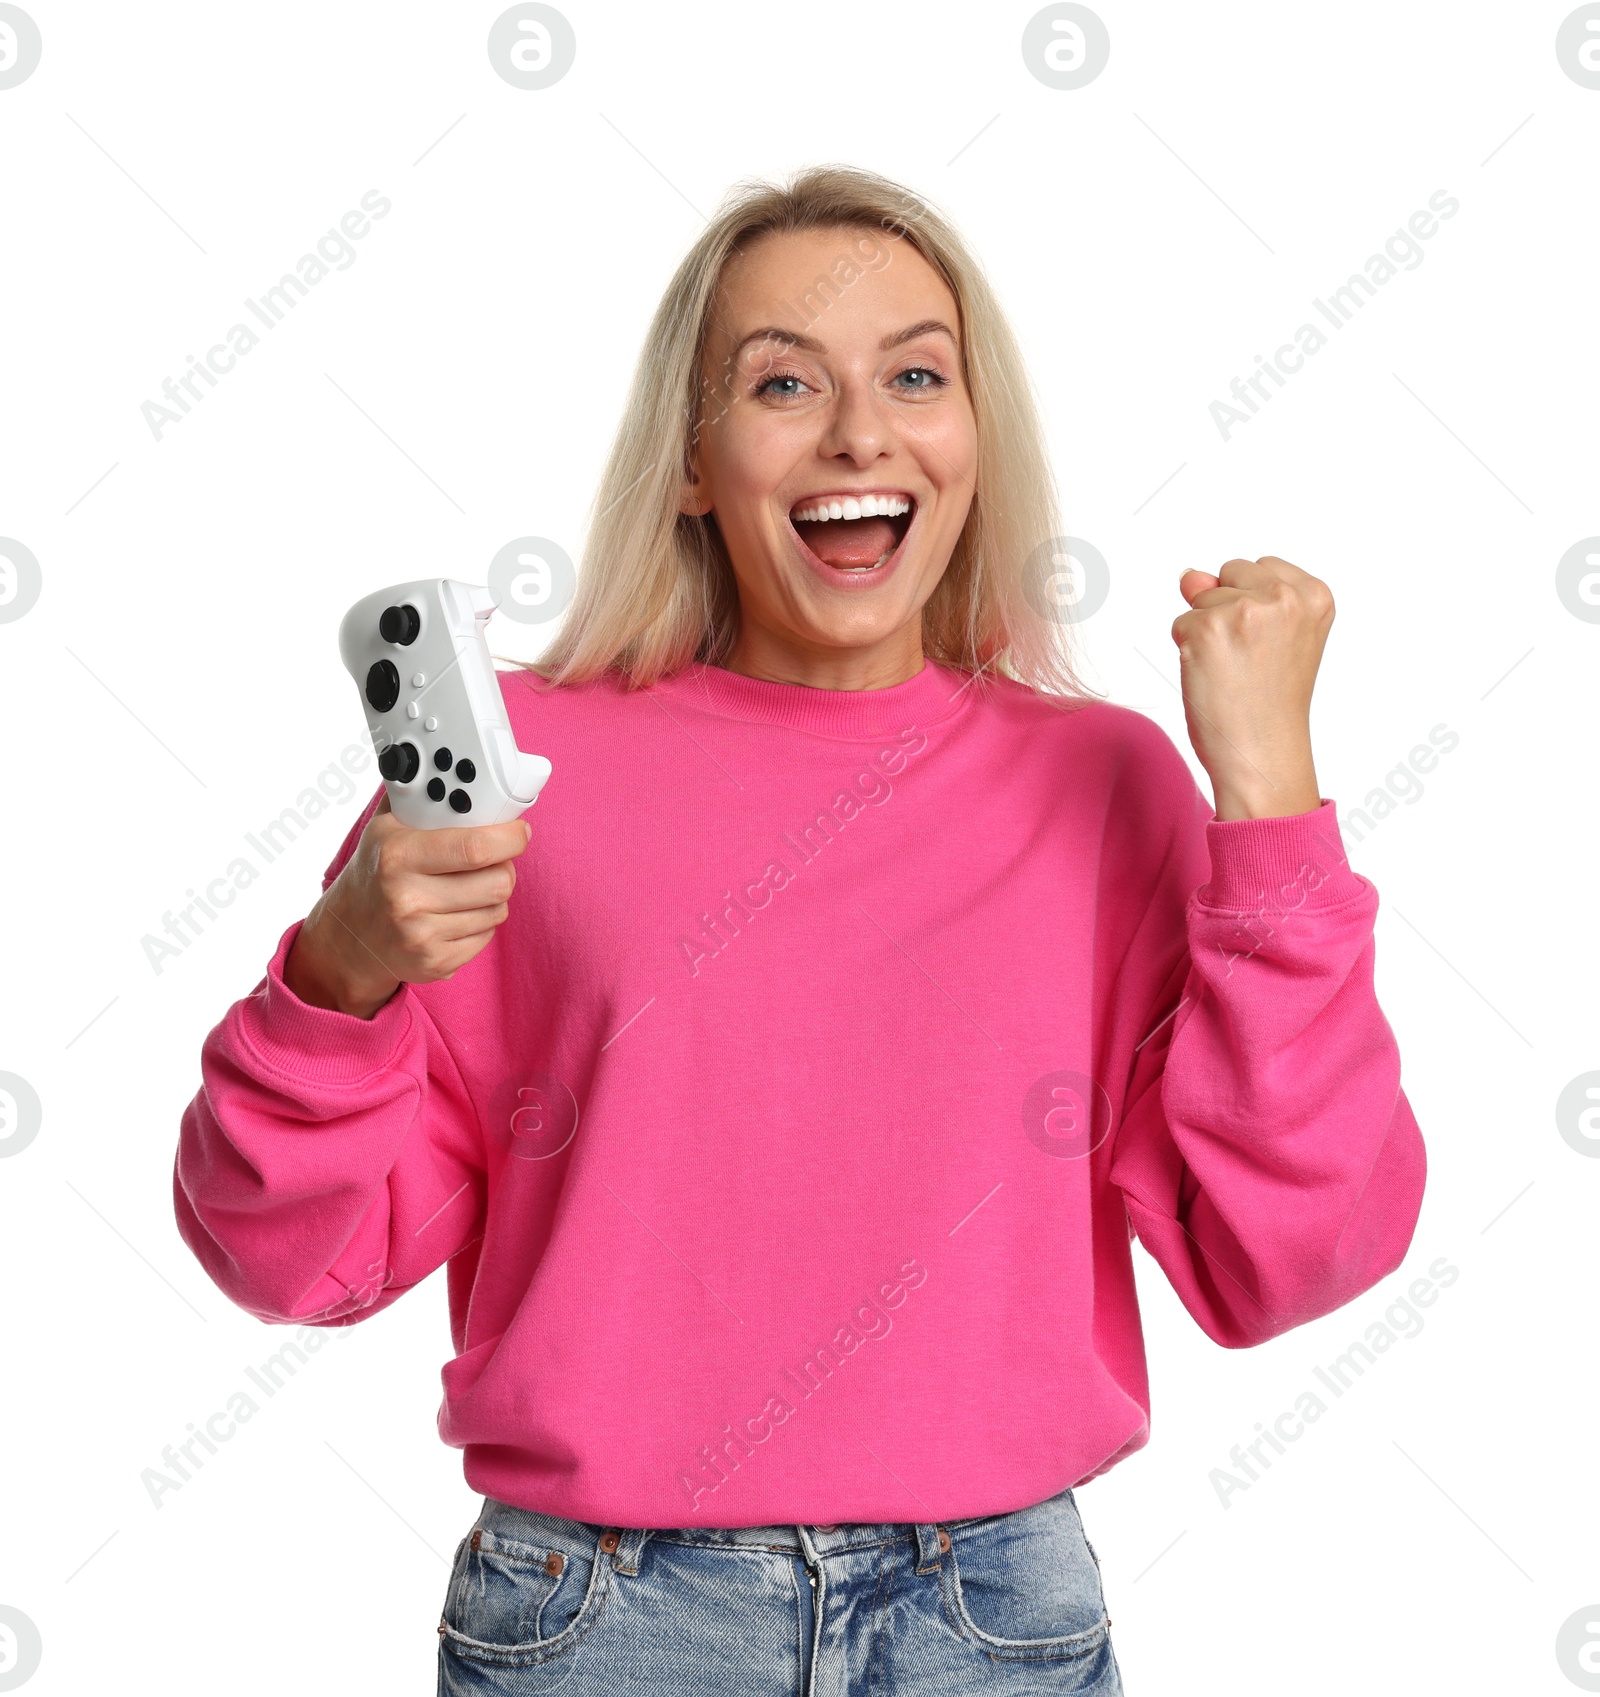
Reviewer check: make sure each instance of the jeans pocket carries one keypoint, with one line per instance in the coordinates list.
(1026, 1586)
(512, 1603)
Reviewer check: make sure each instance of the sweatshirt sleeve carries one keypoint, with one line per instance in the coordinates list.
(328, 1163)
(1267, 1156)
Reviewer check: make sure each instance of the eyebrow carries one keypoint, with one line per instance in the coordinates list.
(810, 345)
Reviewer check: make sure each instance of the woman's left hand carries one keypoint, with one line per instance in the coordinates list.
(1248, 653)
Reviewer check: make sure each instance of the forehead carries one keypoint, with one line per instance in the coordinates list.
(832, 283)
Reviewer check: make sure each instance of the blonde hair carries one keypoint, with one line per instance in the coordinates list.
(656, 590)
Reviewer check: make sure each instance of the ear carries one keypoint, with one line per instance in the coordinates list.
(693, 497)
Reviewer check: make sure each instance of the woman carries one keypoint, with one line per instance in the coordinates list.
(861, 987)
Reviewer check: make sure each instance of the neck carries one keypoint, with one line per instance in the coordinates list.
(780, 658)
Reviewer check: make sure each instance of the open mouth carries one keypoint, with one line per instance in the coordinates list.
(853, 533)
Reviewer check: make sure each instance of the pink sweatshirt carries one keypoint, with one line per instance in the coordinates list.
(787, 1144)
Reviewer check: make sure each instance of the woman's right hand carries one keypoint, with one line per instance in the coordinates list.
(408, 907)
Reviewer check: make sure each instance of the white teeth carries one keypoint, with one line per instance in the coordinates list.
(849, 507)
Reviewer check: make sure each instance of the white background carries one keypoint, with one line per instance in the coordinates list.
(177, 684)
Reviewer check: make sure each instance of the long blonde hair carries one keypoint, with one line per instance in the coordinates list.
(656, 590)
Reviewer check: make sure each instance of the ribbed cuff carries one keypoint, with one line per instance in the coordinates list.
(319, 1045)
(1278, 865)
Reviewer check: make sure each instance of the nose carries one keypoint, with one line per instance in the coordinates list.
(859, 426)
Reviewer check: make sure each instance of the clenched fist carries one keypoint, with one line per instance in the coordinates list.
(407, 907)
(1248, 651)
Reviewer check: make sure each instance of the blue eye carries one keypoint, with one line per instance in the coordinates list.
(780, 377)
(934, 380)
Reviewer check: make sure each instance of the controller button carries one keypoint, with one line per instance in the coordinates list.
(436, 789)
(413, 711)
(418, 679)
(400, 762)
(431, 723)
(383, 685)
(442, 758)
(461, 801)
(399, 624)
(466, 771)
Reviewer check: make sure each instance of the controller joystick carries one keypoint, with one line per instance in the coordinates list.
(400, 624)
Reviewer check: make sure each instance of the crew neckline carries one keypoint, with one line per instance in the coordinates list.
(934, 694)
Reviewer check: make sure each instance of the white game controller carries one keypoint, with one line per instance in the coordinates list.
(434, 707)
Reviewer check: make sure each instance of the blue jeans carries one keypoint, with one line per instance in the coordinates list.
(1002, 1603)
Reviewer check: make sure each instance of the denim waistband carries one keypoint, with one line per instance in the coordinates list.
(530, 1526)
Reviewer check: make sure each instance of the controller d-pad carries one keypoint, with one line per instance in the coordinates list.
(442, 758)
(399, 624)
(461, 801)
(436, 789)
(466, 771)
(400, 762)
(383, 685)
